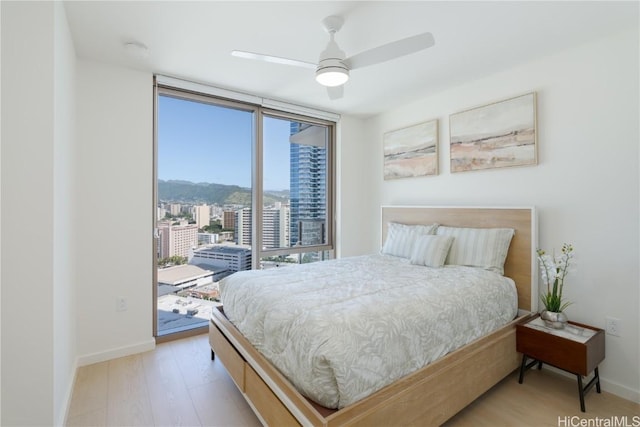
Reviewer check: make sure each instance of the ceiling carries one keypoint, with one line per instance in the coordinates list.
(193, 40)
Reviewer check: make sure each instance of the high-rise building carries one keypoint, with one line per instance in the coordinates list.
(242, 226)
(308, 192)
(275, 226)
(313, 231)
(228, 219)
(202, 215)
(161, 213)
(174, 209)
(176, 239)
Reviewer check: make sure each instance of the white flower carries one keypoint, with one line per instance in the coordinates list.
(548, 269)
(553, 270)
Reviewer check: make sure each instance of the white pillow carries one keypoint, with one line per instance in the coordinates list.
(431, 250)
(478, 247)
(401, 238)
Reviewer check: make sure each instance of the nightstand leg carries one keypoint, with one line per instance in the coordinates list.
(213, 355)
(522, 368)
(598, 380)
(581, 391)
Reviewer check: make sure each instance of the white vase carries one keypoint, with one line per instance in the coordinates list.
(554, 320)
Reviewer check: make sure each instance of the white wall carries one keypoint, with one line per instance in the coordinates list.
(38, 352)
(354, 190)
(114, 214)
(585, 187)
(27, 192)
(76, 191)
(0, 222)
(64, 208)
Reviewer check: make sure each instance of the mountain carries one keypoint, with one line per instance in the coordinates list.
(209, 193)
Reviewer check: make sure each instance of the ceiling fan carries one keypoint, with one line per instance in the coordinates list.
(333, 67)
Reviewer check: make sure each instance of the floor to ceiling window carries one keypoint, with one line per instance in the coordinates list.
(295, 159)
(238, 187)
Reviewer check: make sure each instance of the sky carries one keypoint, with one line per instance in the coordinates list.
(200, 142)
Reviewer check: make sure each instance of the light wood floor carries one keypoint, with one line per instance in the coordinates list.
(177, 384)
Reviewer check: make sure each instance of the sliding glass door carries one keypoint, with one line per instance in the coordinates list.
(204, 170)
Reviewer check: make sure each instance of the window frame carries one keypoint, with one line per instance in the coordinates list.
(259, 112)
(330, 185)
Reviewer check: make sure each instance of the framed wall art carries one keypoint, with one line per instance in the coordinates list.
(496, 135)
(411, 151)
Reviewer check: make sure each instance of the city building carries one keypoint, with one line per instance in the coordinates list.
(242, 226)
(275, 226)
(218, 269)
(208, 238)
(176, 239)
(202, 215)
(311, 231)
(161, 213)
(308, 183)
(216, 211)
(184, 276)
(228, 220)
(206, 292)
(175, 209)
(226, 236)
(233, 258)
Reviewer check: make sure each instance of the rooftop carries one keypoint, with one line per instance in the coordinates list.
(176, 312)
(181, 273)
(224, 249)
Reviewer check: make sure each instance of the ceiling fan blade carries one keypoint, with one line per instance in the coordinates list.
(335, 92)
(274, 59)
(390, 51)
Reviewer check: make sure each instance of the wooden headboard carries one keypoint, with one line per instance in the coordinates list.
(520, 264)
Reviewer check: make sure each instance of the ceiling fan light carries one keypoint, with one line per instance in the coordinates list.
(332, 76)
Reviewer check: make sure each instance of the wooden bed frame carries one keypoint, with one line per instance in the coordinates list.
(429, 396)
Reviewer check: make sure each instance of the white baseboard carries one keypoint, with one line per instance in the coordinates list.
(128, 350)
(620, 390)
(608, 386)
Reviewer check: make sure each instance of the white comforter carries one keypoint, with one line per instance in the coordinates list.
(340, 330)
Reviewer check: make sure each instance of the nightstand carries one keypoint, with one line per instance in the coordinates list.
(577, 349)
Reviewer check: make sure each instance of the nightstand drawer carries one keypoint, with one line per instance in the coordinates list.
(573, 356)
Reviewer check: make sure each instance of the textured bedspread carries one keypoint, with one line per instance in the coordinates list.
(340, 330)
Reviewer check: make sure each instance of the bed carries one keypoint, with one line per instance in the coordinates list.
(427, 396)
